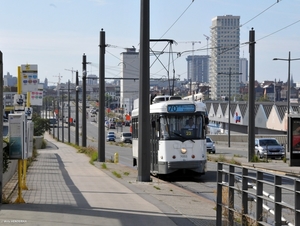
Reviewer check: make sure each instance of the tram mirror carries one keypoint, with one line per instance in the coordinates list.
(153, 124)
(206, 120)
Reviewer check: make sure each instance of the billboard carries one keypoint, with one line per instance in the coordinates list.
(294, 140)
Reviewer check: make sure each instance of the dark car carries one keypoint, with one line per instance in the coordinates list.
(112, 125)
(127, 123)
(110, 137)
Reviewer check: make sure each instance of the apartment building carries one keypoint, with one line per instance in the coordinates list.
(130, 69)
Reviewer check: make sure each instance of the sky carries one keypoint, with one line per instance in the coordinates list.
(55, 34)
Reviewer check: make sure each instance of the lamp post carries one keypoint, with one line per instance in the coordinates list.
(288, 91)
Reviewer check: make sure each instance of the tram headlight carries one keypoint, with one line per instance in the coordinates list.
(183, 150)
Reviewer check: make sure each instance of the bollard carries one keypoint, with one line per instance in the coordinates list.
(116, 157)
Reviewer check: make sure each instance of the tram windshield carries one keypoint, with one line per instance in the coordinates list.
(182, 127)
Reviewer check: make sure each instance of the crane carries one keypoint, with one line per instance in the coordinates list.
(207, 38)
(59, 77)
(193, 44)
(58, 83)
(72, 72)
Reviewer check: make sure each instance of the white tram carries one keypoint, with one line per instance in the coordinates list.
(177, 137)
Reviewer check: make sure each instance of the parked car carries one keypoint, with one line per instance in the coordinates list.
(269, 148)
(210, 145)
(111, 132)
(127, 123)
(126, 138)
(112, 125)
(110, 137)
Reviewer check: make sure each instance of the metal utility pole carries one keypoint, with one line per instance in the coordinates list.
(58, 111)
(63, 118)
(1, 130)
(46, 103)
(251, 98)
(77, 113)
(288, 98)
(69, 113)
(144, 102)
(101, 102)
(53, 104)
(84, 73)
(229, 98)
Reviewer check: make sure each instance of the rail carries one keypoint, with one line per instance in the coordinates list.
(246, 196)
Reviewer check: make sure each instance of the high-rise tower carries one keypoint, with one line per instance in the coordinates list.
(197, 68)
(225, 54)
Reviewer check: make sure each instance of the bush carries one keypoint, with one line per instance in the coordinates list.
(41, 125)
(5, 156)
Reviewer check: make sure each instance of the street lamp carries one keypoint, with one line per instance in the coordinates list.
(289, 91)
(229, 96)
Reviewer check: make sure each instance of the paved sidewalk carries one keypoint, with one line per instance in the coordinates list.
(65, 189)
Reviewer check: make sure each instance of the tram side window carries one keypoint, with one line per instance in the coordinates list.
(135, 128)
(164, 128)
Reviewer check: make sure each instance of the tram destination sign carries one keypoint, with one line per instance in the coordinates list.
(181, 108)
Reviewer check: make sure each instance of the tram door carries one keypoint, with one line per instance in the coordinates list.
(154, 139)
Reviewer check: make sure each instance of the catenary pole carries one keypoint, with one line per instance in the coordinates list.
(83, 143)
(251, 97)
(1, 130)
(76, 111)
(69, 113)
(101, 115)
(144, 84)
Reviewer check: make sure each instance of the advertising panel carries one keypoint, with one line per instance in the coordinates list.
(294, 132)
(36, 97)
(295, 149)
(16, 135)
(30, 128)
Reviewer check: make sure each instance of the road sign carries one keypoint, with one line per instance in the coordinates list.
(29, 78)
(19, 102)
(28, 112)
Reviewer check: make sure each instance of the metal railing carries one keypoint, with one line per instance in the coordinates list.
(246, 196)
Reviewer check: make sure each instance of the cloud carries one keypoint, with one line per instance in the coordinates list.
(52, 5)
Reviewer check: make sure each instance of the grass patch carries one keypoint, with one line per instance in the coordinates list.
(126, 173)
(89, 151)
(157, 188)
(116, 174)
(233, 161)
(103, 166)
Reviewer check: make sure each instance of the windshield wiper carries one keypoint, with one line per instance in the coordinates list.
(183, 137)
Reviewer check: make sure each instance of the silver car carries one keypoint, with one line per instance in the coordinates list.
(269, 148)
(126, 138)
(210, 145)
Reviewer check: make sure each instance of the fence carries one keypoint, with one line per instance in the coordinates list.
(246, 196)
